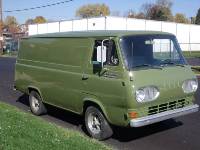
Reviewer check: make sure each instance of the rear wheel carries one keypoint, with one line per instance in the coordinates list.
(36, 105)
(96, 124)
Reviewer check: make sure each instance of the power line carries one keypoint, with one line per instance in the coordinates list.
(38, 7)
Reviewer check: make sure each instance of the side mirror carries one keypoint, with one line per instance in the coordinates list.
(101, 54)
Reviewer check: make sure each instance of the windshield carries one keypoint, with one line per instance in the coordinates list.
(151, 50)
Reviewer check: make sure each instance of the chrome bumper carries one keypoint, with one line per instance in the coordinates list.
(143, 121)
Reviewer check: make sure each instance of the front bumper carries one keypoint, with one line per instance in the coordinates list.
(143, 121)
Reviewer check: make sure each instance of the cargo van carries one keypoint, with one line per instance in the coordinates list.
(121, 78)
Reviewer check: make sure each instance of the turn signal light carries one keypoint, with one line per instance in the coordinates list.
(132, 115)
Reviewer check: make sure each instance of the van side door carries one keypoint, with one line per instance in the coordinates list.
(105, 85)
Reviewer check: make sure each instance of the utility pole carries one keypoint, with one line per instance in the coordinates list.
(1, 28)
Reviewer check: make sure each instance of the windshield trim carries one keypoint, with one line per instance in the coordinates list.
(171, 36)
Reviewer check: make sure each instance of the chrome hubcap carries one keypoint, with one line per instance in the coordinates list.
(94, 123)
(35, 103)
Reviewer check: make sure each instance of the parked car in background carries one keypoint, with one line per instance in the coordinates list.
(10, 46)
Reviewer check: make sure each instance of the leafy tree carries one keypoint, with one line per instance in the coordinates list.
(161, 10)
(181, 18)
(11, 21)
(197, 21)
(11, 24)
(40, 19)
(93, 10)
(161, 13)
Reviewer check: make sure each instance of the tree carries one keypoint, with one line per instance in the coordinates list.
(164, 3)
(140, 16)
(1, 26)
(161, 13)
(161, 10)
(181, 18)
(40, 19)
(197, 21)
(11, 24)
(93, 10)
(193, 19)
(131, 14)
(146, 10)
(10, 21)
(29, 21)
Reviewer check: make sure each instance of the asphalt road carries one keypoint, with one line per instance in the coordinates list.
(175, 134)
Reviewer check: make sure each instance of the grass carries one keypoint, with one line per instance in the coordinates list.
(23, 131)
(194, 54)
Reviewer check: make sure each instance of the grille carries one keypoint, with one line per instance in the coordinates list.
(166, 106)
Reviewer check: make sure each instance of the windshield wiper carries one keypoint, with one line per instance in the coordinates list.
(170, 62)
(148, 65)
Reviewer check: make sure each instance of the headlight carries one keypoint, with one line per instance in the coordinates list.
(190, 86)
(147, 94)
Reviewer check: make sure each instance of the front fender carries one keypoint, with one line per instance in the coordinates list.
(115, 115)
(95, 100)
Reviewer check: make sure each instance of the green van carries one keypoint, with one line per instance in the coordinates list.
(122, 78)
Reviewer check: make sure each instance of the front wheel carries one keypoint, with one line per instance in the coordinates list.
(36, 105)
(96, 124)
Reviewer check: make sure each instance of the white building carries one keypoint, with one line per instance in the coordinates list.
(188, 35)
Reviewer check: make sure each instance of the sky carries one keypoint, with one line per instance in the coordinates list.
(67, 11)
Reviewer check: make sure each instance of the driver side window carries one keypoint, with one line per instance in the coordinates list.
(111, 54)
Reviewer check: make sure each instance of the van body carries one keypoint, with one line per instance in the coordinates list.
(132, 78)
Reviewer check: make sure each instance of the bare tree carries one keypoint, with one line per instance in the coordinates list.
(161, 10)
(164, 3)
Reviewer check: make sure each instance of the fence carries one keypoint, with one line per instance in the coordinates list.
(188, 35)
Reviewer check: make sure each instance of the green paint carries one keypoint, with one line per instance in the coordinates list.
(54, 64)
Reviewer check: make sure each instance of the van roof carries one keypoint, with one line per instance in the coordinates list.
(104, 33)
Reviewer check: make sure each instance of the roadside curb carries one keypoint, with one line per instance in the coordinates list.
(3, 56)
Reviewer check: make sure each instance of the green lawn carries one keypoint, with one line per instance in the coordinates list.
(195, 54)
(23, 131)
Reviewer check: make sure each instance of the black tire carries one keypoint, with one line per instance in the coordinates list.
(104, 129)
(37, 108)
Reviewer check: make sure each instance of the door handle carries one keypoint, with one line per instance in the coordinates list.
(84, 77)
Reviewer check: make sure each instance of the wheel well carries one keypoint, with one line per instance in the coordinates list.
(89, 103)
(32, 89)
(36, 90)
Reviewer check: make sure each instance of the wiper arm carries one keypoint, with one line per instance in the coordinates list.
(142, 65)
(148, 65)
(181, 65)
(169, 62)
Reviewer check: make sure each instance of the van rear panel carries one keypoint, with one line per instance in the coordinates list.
(54, 67)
